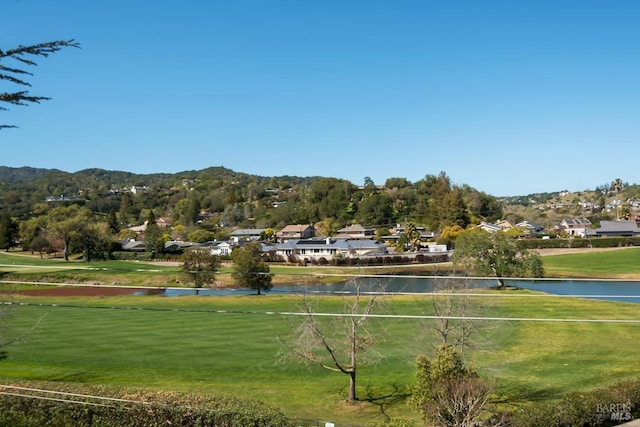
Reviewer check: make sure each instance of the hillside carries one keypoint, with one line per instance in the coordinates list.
(218, 197)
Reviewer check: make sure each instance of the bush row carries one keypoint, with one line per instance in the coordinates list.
(601, 407)
(158, 409)
(419, 258)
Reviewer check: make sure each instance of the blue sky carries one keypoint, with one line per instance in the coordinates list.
(509, 97)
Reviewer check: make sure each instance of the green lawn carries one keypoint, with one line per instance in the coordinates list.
(186, 344)
(230, 345)
(617, 263)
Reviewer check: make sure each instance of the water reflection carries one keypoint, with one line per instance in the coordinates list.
(628, 291)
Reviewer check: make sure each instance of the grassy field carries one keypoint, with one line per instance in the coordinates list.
(623, 263)
(230, 345)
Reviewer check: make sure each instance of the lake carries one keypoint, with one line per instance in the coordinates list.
(611, 290)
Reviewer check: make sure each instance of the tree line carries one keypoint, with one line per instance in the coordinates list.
(208, 204)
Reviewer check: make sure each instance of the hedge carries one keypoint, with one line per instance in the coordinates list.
(148, 409)
(601, 407)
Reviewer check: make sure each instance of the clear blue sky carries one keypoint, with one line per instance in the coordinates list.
(509, 97)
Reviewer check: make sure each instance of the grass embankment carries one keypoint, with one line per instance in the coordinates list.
(229, 345)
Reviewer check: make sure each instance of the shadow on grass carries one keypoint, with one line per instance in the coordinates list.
(389, 395)
(71, 377)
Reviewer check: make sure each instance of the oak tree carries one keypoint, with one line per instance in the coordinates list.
(495, 254)
(249, 270)
(200, 266)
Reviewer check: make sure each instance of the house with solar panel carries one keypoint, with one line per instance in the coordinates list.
(315, 249)
(574, 227)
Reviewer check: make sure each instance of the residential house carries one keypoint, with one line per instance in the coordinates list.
(490, 228)
(138, 189)
(504, 224)
(291, 232)
(174, 246)
(574, 226)
(398, 230)
(356, 231)
(164, 222)
(617, 228)
(246, 234)
(133, 246)
(218, 248)
(328, 248)
(530, 228)
(139, 229)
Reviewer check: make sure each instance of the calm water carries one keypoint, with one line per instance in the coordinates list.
(614, 290)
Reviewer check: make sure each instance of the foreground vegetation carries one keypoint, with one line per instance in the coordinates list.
(231, 346)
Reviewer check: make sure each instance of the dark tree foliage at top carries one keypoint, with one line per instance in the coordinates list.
(22, 57)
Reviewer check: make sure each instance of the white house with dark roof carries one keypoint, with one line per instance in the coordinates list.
(574, 226)
(218, 248)
(329, 248)
(247, 234)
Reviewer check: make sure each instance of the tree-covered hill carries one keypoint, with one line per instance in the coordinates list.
(25, 173)
(219, 197)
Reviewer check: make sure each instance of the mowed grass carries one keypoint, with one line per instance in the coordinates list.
(623, 263)
(231, 345)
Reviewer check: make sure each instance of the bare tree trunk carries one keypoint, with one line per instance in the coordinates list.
(352, 386)
(65, 251)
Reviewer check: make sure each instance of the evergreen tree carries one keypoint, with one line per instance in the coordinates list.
(17, 74)
(154, 238)
(250, 271)
(453, 210)
(8, 231)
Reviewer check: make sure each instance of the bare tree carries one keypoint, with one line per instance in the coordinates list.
(339, 342)
(452, 307)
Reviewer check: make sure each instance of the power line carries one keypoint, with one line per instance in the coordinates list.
(347, 315)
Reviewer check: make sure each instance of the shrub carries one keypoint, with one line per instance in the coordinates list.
(137, 409)
(601, 407)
